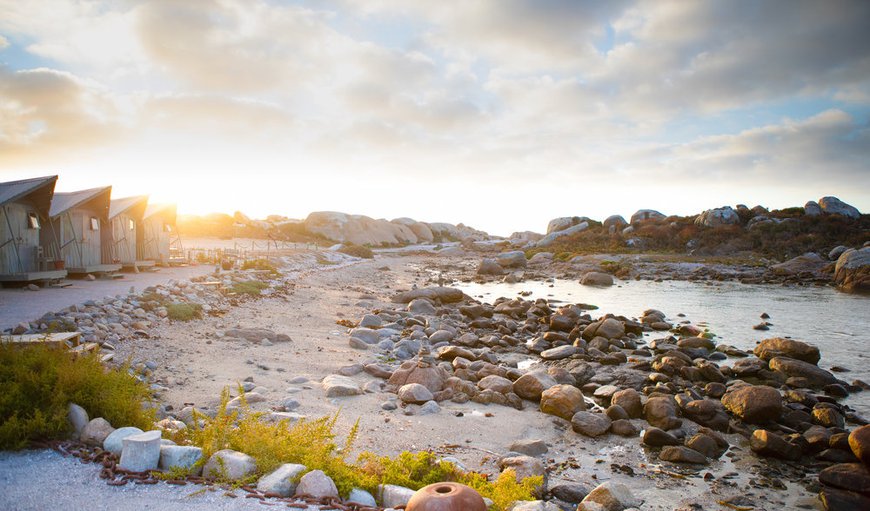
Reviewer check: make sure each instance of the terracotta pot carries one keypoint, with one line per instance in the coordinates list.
(59, 265)
(446, 497)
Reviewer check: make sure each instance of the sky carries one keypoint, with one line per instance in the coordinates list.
(500, 114)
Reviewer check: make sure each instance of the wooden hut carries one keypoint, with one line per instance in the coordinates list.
(125, 216)
(26, 255)
(80, 220)
(159, 236)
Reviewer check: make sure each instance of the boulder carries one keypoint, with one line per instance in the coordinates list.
(562, 223)
(834, 499)
(230, 465)
(629, 400)
(439, 293)
(490, 267)
(358, 229)
(114, 442)
(810, 262)
(422, 306)
(362, 498)
(609, 496)
(656, 437)
(532, 384)
(420, 229)
(316, 484)
(815, 376)
(562, 401)
(78, 418)
(337, 385)
(429, 376)
(96, 431)
(531, 447)
(852, 271)
(496, 383)
(523, 466)
(559, 352)
(180, 456)
(414, 393)
(859, 442)
(590, 424)
(754, 403)
(141, 452)
(812, 208)
(646, 214)
(682, 454)
(615, 221)
(395, 496)
(847, 476)
(282, 480)
(834, 206)
(513, 259)
(534, 505)
(548, 240)
(609, 328)
(779, 347)
(596, 278)
(718, 217)
(765, 443)
(661, 412)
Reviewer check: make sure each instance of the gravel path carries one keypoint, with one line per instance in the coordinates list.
(39, 480)
(20, 304)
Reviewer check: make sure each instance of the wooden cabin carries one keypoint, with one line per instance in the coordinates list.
(26, 254)
(80, 221)
(159, 236)
(125, 216)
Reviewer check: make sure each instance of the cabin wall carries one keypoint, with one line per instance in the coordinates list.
(124, 238)
(76, 225)
(155, 240)
(16, 216)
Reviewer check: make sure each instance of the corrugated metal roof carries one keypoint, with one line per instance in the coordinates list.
(168, 209)
(14, 190)
(65, 201)
(118, 206)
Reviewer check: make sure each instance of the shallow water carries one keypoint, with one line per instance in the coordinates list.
(835, 322)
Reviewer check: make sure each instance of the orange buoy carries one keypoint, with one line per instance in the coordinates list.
(446, 497)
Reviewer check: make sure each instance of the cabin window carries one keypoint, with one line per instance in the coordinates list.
(33, 221)
(167, 228)
(95, 223)
(131, 224)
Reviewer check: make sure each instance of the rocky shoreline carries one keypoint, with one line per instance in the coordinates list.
(674, 413)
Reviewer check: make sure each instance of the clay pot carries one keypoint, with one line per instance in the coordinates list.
(446, 497)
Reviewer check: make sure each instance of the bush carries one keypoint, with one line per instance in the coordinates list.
(179, 311)
(262, 265)
(40, 381)
(357, 251)
(250, 287)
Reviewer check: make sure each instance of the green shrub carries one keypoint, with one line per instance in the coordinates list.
(39, 382)
(179, 311)
(249, 287)
(354, 250)
(262, 265)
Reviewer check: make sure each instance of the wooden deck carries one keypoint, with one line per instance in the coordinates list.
(95, 268)
(69, 339)
(33, 276)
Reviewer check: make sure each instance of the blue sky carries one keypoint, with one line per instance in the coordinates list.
(500, 114)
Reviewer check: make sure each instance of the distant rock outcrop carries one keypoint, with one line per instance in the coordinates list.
(718, 217)
(565, 222)
(834, 206)
(550, 238)
(420, 229)
(646, 214)
(363, 230)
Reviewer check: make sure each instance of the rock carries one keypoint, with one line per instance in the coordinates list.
(590, 424)
(559, 352)
(562, 223)
(754, 403)
(442, 294)
(414, 393)
(534, 505)
(337, 385)
(496, 383)
(532, 384)
(441, 336)
(282, 480)
(429, 408)
(562, 401)
(609, 328)
(490, 267)
(548, 240)
(422, 306)
(96, 431)
(523, 466)
(705, 445)
(847, 476)
(682, 454)
(316, 484)
(629, 400)
(542, 258)
(533, 447)
(812, 208)
(843, 500)
(229, 465)
(718, 217)
(646, 214)
(180, 456)
(765, 443)
(836, 252)
(140, 452)
(852, 271)
(361, 497)
(431, 377)
(513, 259)
(394, 496)
(78, 418)
(596, 278)
(366, 335)
(779, 347)
(828, 417)
(422, 231)
(810, 262)
(859, 442)
(609, 496)
(615, 221)
(661, 412)
(623, 427)
(834, 206)
(371, 321)
(114, 442)
(815, 376)
(358, 229)
(655, 437)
